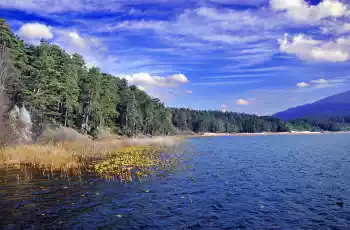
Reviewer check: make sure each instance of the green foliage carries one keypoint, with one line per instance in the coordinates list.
(332, 124)
(59, 89)
(224, 122)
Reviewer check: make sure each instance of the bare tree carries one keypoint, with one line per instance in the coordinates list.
(10, 122)
(7, 70)
(3, 122)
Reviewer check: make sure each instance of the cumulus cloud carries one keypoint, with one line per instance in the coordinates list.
(147, 81)
(178, 78)
(189, 91)
(90, 47)
(307, 48)
(300, 10)
(35, 32)
(242, 102)
(302, 84)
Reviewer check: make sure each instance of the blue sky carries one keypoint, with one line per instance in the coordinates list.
(253, 56)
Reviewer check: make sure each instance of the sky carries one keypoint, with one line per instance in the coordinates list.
(251, 56)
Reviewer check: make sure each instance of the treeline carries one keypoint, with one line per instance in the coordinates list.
(230, 122)
(331, 124)
(58, 88)
(224, 122)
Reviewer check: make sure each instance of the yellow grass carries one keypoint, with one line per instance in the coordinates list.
(76, 156)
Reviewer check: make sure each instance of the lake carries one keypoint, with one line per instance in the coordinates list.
(250, 182)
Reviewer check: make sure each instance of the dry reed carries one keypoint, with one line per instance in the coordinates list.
(71, 156)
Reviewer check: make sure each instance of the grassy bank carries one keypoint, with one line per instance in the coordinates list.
(121, 156)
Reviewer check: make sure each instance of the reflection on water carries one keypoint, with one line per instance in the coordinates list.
(269, 182)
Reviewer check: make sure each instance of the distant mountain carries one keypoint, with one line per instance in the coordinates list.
(336, 105)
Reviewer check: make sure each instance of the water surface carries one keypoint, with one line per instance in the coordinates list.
(253, 182)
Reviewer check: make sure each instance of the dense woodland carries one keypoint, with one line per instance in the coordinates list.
(340, 123)
(58, 89)
(224, 122)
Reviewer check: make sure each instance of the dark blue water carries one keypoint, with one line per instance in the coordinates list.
(261, 182)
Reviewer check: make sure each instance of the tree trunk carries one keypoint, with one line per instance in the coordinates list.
(66, 118)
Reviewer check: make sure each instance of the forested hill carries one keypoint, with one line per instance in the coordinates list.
(58, 88)
(335, 105)
(224, 122)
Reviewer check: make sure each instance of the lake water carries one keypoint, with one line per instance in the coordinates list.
(254, 182)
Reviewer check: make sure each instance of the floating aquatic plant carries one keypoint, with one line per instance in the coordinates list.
(137, 160)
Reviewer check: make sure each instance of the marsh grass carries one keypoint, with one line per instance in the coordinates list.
(112, 156)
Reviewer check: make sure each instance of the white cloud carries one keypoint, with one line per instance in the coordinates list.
(90, 47)
(76, 39)
(178, 78)
(335, 27)
(300, 10)
(189, 91)
(323, 83)
(147, 81)
(320, 81)
(346, 27)
(330, 55)
(223, 108)
(302, 84)
(165, 88)
(207, 24)
(242, 102)
(196, 33)
(344, 41)
(309, 49)
(35, 32)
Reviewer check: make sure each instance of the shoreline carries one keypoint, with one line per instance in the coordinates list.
(263, 134)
